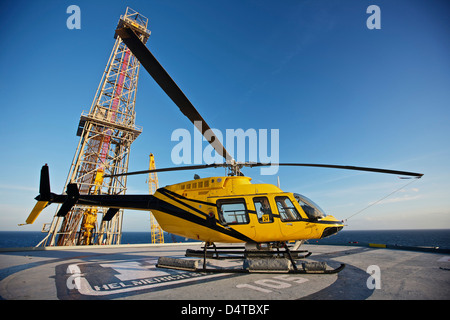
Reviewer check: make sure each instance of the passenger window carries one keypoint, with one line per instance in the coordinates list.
(286, 209)
(263, 210)
(233, 211)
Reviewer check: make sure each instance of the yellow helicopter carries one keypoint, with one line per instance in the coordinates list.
(223, 209)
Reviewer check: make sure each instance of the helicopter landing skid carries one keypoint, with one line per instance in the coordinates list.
(225, 253)
(255, 261)
(272, 265)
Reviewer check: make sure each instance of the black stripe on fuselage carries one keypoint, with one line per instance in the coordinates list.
(204, 222)
(179, 196)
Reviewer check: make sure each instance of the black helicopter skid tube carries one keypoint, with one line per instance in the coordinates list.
(303, 270)
(291, 271)
(242, 254)
(253, 261)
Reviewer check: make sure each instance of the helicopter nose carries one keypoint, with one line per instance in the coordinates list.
(330, 231)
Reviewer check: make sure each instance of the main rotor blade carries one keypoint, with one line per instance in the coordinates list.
(388, 171)
(201, 166)
(259, 164)
(154, 68)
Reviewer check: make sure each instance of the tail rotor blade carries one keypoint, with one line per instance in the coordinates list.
(110, 214)
(65, 208)
(72, 198)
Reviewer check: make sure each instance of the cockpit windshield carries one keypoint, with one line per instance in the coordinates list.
(312, 210)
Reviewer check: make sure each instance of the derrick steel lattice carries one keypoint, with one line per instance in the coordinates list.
(106, 133)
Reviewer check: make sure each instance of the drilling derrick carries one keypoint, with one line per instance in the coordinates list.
(106, 133)
(156, 231)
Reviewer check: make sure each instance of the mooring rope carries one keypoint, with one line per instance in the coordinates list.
(374, 203)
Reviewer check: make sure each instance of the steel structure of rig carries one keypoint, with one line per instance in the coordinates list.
(106, 133)
(155, 228)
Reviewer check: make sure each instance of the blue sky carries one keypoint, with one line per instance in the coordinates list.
(338, 92)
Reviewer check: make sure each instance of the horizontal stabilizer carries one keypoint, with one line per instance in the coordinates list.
(43, 198)
(40, 205)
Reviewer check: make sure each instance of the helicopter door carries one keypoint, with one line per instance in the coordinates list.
(263, 210)
(289, 216)
(233, 213)
(264, 227)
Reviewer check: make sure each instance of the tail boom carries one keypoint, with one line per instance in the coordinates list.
(73, 197)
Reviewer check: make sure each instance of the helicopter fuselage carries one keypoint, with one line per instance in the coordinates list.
(216, 209)
(232, 209)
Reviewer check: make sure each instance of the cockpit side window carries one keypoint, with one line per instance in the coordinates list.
(286, 209)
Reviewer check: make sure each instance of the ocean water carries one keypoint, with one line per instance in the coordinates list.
(411, 238)
(415, 238)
